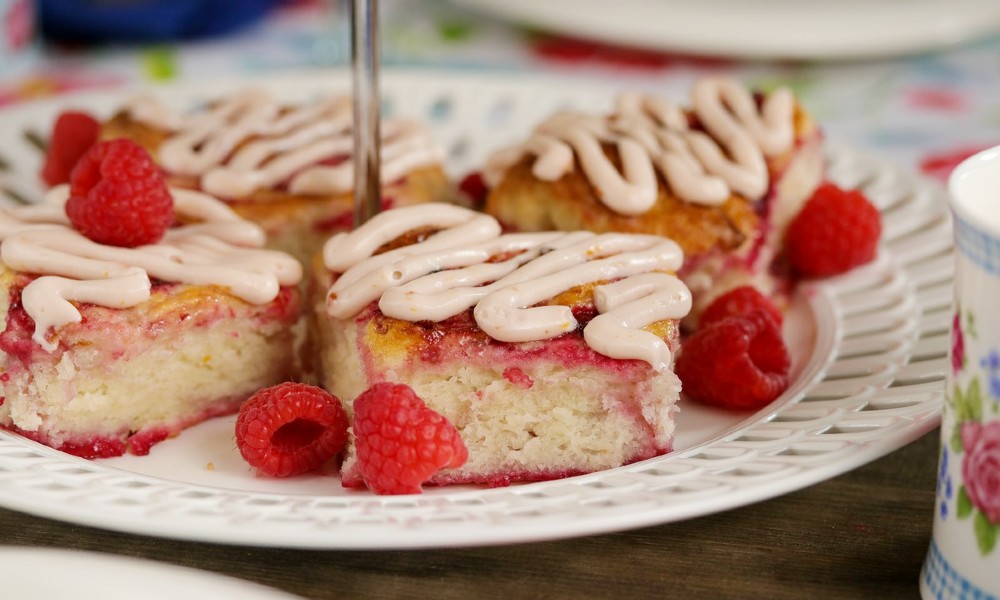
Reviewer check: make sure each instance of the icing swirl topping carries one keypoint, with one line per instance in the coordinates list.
(250, 141)
(217, 247)
(468, 263)
(706, 166)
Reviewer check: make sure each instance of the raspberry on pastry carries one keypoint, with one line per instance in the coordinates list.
(118, 197)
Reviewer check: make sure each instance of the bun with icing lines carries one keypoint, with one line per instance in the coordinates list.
(109, 349)
(550, 353)
(723, 178)
(285, 167)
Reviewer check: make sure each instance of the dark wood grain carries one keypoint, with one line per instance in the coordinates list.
(861, 535)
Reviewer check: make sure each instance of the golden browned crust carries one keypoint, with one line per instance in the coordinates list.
(122, 125)
(297, 224)
(419, 185)
(523, 202)
(526, 203)
(300, 224)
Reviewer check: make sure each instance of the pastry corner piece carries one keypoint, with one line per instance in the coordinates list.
(108, 349)
(550, 352)
(722, 176)
(286, 166)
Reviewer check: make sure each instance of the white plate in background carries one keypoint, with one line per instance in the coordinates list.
(805, 29)
(47, 574)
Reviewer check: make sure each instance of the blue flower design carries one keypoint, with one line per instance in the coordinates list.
(991, 362)
(944, 486)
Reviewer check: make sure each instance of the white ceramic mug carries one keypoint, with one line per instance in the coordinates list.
(964, 556)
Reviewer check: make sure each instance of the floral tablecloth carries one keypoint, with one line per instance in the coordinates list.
(922, 112)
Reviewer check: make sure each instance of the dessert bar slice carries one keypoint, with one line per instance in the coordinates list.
(551, 353)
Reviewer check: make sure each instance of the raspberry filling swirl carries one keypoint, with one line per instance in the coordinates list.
(468, 263)
(214, 247)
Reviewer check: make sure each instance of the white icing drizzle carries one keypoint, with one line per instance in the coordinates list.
(703, 167)
(448, 273)
(250, 141)
(628, 305)
(217, 248)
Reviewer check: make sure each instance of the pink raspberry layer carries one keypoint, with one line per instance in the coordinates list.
(458, 341)
(101, 323)
(120, 338)
(138, 443)
(502, 478)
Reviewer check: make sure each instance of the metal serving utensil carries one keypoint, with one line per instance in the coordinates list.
(366, 97)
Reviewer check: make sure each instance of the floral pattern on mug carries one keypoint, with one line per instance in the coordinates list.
(975, 439)
(944, 487)
(980, 493)
(991, 362)
(981, 467)
(957, 343)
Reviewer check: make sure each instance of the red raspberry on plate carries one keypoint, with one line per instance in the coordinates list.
(834, 232)
(739, 301)
(290, 428)
(739, 362)
(400, 442)
(118, 196)
(73, 134)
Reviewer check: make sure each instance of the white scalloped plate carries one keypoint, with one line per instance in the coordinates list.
(870, 348)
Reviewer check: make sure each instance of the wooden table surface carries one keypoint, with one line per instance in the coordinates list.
(861, 535)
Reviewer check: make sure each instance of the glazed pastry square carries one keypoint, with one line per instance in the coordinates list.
(551, 353)
(722, 178)
(285, 167)
(107, 350)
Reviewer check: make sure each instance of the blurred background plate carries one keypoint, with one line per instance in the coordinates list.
(804, 29)
(48, 574)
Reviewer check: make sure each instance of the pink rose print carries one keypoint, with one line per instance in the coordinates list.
(981, 467)
(957, 344)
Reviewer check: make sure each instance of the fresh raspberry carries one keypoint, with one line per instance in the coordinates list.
(836, 231)
(400, 442)
(738, 362)
(73, 134)
(474, 188)
(739, 301)
(290, 428)
(118, 196)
